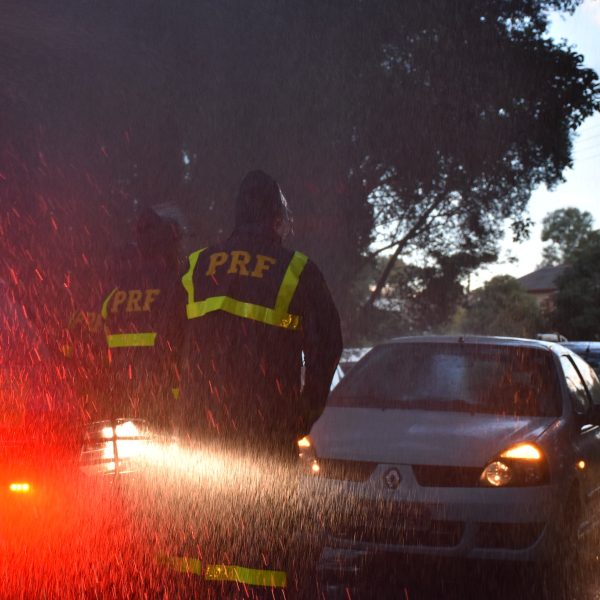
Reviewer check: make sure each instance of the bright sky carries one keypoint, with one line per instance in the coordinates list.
(582, 186)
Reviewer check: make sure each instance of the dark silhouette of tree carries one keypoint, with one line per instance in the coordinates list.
(458, 189)
(432, 120)
(565, 229)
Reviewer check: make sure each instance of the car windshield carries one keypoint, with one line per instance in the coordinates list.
(503, 380)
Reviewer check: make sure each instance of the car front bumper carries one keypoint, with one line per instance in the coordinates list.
(518, 524)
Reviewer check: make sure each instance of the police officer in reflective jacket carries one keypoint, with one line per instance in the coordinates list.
(142, 328)
(255, 311)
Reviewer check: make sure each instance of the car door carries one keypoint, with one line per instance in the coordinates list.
(584, 389)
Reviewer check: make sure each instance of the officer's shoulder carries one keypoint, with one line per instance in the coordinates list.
(311, 269)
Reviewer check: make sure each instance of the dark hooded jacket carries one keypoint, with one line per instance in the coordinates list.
(143, 323)
(246, 374)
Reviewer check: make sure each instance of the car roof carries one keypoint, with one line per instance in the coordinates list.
(581, 346)
(554, 347)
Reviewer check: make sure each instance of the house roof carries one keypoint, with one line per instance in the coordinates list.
(542, 280)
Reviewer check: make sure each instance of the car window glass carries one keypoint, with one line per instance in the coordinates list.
(589, 351)
(589, 378)
(456, 377)
(576, 385)
(592, 357)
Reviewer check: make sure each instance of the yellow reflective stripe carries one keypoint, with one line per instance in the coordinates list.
(256, 312)
(183, 564)
(263, 577)
(127, 340)
(245, 575)
(277, 316)
(104, 311)
(188, 279)
(290, 282)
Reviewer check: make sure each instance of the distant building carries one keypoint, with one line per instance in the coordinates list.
(542, 284)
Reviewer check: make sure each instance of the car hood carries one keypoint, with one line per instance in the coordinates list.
(420, 437)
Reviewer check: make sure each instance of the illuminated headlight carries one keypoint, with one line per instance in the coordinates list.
(109, 444)
(308, 456)
(497, 474)
(520, 465)
(125, 438)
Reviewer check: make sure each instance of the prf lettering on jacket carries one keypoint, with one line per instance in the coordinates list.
(240, 262)
(133, 300)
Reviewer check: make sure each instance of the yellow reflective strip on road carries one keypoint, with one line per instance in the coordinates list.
(182, 564)
(129, 340)
(262, 577)
(245, 575)
(246, 310)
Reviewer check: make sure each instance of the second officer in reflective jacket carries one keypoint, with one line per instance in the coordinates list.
(142, 315)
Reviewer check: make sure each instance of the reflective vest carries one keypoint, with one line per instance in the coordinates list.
(133, 301)
(243, 263)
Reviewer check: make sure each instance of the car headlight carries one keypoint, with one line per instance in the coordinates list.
(308, 456)
(520, 465)
(108, 444)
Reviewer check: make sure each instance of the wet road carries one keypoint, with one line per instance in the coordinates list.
(465, 581)
(152, 535)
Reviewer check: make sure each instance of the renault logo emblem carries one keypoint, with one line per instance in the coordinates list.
(392, 478)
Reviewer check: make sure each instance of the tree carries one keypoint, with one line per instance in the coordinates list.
(566, 229)
(430, 121)
(458, 191)
(501, 307)
(577, 302)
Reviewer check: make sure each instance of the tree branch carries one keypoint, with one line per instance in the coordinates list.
(418, 225)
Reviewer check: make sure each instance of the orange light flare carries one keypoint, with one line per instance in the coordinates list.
(304, 442)
(525, 451)
(20, 487)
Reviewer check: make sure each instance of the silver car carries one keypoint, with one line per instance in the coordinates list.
(474, 447)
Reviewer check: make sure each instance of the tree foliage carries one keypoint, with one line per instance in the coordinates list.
(427, 123)
(502, 307)
(457, 191)
(577, 302)
(565, 229)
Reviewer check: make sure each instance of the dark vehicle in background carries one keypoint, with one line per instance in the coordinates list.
(350, 356)
(589, 351)
(464, 447)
